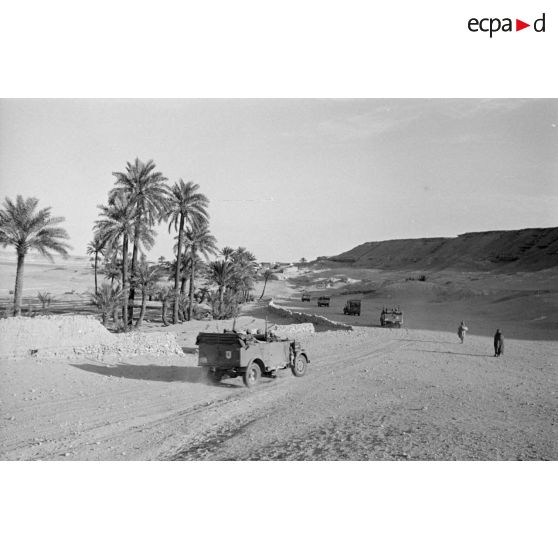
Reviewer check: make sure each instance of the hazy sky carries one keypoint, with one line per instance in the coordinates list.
(296, 178)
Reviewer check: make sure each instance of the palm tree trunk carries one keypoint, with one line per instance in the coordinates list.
(193, 272)
(96, 256)
(133, 270)
(265, 283)
(177, 274)
(142, 312)
(221, 296)
(115, 316)
(18, 290)
(183, 285)
(125, 282)
(164, 312)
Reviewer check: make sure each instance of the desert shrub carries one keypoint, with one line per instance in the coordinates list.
(45, 298)
(229, 309)
(7, 312)
(200, 312)
(107, 300)
(31, 312)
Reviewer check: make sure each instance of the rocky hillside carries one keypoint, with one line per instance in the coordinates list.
(526, 249)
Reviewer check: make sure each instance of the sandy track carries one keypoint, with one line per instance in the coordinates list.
(370, 394)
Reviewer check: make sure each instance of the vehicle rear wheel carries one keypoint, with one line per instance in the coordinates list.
(252, 374)
(299, 366)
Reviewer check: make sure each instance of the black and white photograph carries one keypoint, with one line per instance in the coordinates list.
(279, 279)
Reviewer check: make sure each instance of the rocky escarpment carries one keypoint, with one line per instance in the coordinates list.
(526, 249)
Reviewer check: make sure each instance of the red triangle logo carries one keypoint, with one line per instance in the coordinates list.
(519, 25)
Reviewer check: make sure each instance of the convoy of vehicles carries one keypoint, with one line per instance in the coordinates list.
(249, 355)
(390, 317)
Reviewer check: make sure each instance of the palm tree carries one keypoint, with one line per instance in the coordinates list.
(95, 247)
(112, 271)
(221, 272)
(146, 280)
(26, 228)
(267, 275)
(245, 271)
(117, 225)
(204, 293)
(186, 207)
(199, 241)
(227, 253)
(107, 299)
(147, 192)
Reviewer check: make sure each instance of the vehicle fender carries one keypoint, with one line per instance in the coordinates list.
(305, 354)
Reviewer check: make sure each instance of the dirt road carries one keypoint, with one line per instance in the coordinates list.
(370, 394)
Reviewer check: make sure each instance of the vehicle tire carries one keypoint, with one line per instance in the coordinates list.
(299, 366)
(252, 374)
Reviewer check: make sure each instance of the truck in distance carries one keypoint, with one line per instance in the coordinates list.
(391, 317)
(352, 308)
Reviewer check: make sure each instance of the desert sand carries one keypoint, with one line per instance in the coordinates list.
(413, 393)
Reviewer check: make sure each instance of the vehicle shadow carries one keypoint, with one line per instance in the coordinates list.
(190, 374)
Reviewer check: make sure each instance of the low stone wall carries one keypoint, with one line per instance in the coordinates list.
(303, 317)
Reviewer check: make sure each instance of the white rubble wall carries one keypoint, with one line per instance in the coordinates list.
(304, 317)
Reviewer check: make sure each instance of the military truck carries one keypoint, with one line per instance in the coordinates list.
(249, 355)
(323, 301)
(391, 317)
(352, 308)
(305, 297)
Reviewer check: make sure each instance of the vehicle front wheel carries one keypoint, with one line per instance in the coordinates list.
(252, 374)
(299, 366)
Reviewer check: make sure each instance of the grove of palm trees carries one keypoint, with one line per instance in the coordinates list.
(200, 281)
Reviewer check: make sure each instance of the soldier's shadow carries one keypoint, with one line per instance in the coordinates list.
(190, 374)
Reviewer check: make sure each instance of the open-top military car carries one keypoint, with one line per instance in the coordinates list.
(248, 355)
(305, 297)
(324, 301)
(352, 308)
(391, 317)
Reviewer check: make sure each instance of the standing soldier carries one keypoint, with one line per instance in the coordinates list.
(461, 331)
(498, 343)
